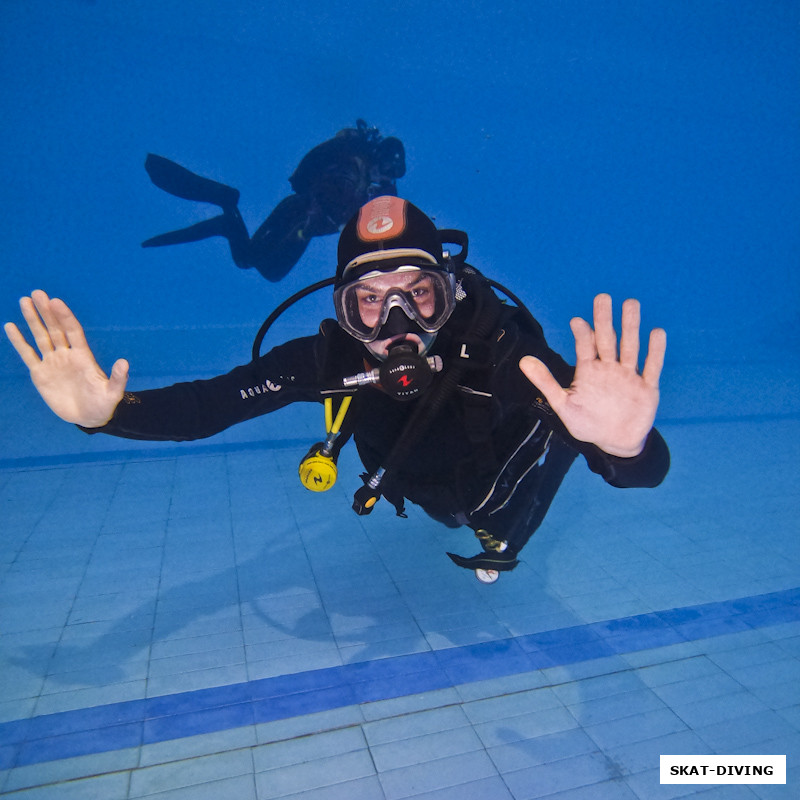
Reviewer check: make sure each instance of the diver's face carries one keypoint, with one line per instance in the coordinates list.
(372, 294)
(409, 303)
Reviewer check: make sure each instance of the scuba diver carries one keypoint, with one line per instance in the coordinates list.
(453, 398)
(330, 184)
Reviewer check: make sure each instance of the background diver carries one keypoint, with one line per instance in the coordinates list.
(453, 398)
(330, 184)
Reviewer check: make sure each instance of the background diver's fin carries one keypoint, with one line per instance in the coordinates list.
(216, 226)
(502, 562)
(181, 182)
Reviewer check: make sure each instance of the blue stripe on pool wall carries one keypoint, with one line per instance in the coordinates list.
(157, 719)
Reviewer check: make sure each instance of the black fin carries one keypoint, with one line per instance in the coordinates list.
(181, 182)
(216, 226)
(502, 562)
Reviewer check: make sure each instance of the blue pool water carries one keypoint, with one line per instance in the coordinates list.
(186, 621)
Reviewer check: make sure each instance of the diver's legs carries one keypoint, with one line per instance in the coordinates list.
(181, 182)
(505, 532)
(275, 247)
(217, 226)
(529, 504)
(281, 239)
(230, 225)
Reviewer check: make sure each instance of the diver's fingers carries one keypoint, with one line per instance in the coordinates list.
(28, 355)
(629, 341)
(38, 329)
(654, 362)
(585, 340)
(68, 324)
(46, 306)
(604, 334)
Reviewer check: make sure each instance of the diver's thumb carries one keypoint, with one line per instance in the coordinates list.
(119, 375)
(537, 372)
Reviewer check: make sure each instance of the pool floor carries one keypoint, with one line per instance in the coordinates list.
(186, 621)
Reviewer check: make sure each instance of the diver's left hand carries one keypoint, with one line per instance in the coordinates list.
(609, 403)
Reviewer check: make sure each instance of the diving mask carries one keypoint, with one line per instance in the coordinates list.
(425, 296)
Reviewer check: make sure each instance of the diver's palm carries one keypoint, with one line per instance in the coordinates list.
(608, 403)
(67, 376)
(608, 406)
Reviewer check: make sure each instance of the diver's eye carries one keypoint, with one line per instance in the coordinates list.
(369, 298)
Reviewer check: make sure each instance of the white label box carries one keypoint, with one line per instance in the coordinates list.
(723, 769)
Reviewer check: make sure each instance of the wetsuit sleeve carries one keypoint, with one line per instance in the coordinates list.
(646, 470)
(198, 409)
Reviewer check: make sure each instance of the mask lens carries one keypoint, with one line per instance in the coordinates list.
(424, 296)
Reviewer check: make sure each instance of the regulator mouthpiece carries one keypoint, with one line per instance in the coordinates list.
(390, 374)
(405, 374)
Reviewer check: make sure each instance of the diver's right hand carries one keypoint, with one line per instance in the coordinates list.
(66, 375)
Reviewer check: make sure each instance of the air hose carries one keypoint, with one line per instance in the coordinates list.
(267, 323)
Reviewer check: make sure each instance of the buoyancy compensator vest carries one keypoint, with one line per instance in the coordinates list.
(466, 346)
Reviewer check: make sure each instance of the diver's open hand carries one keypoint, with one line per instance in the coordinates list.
(66, 375)
(609, 403)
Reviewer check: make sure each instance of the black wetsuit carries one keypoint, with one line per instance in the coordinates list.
(492, 457)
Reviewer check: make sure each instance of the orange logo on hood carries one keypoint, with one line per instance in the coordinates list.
(381, 216)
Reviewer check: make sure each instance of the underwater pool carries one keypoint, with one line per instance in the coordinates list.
(185, 620)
